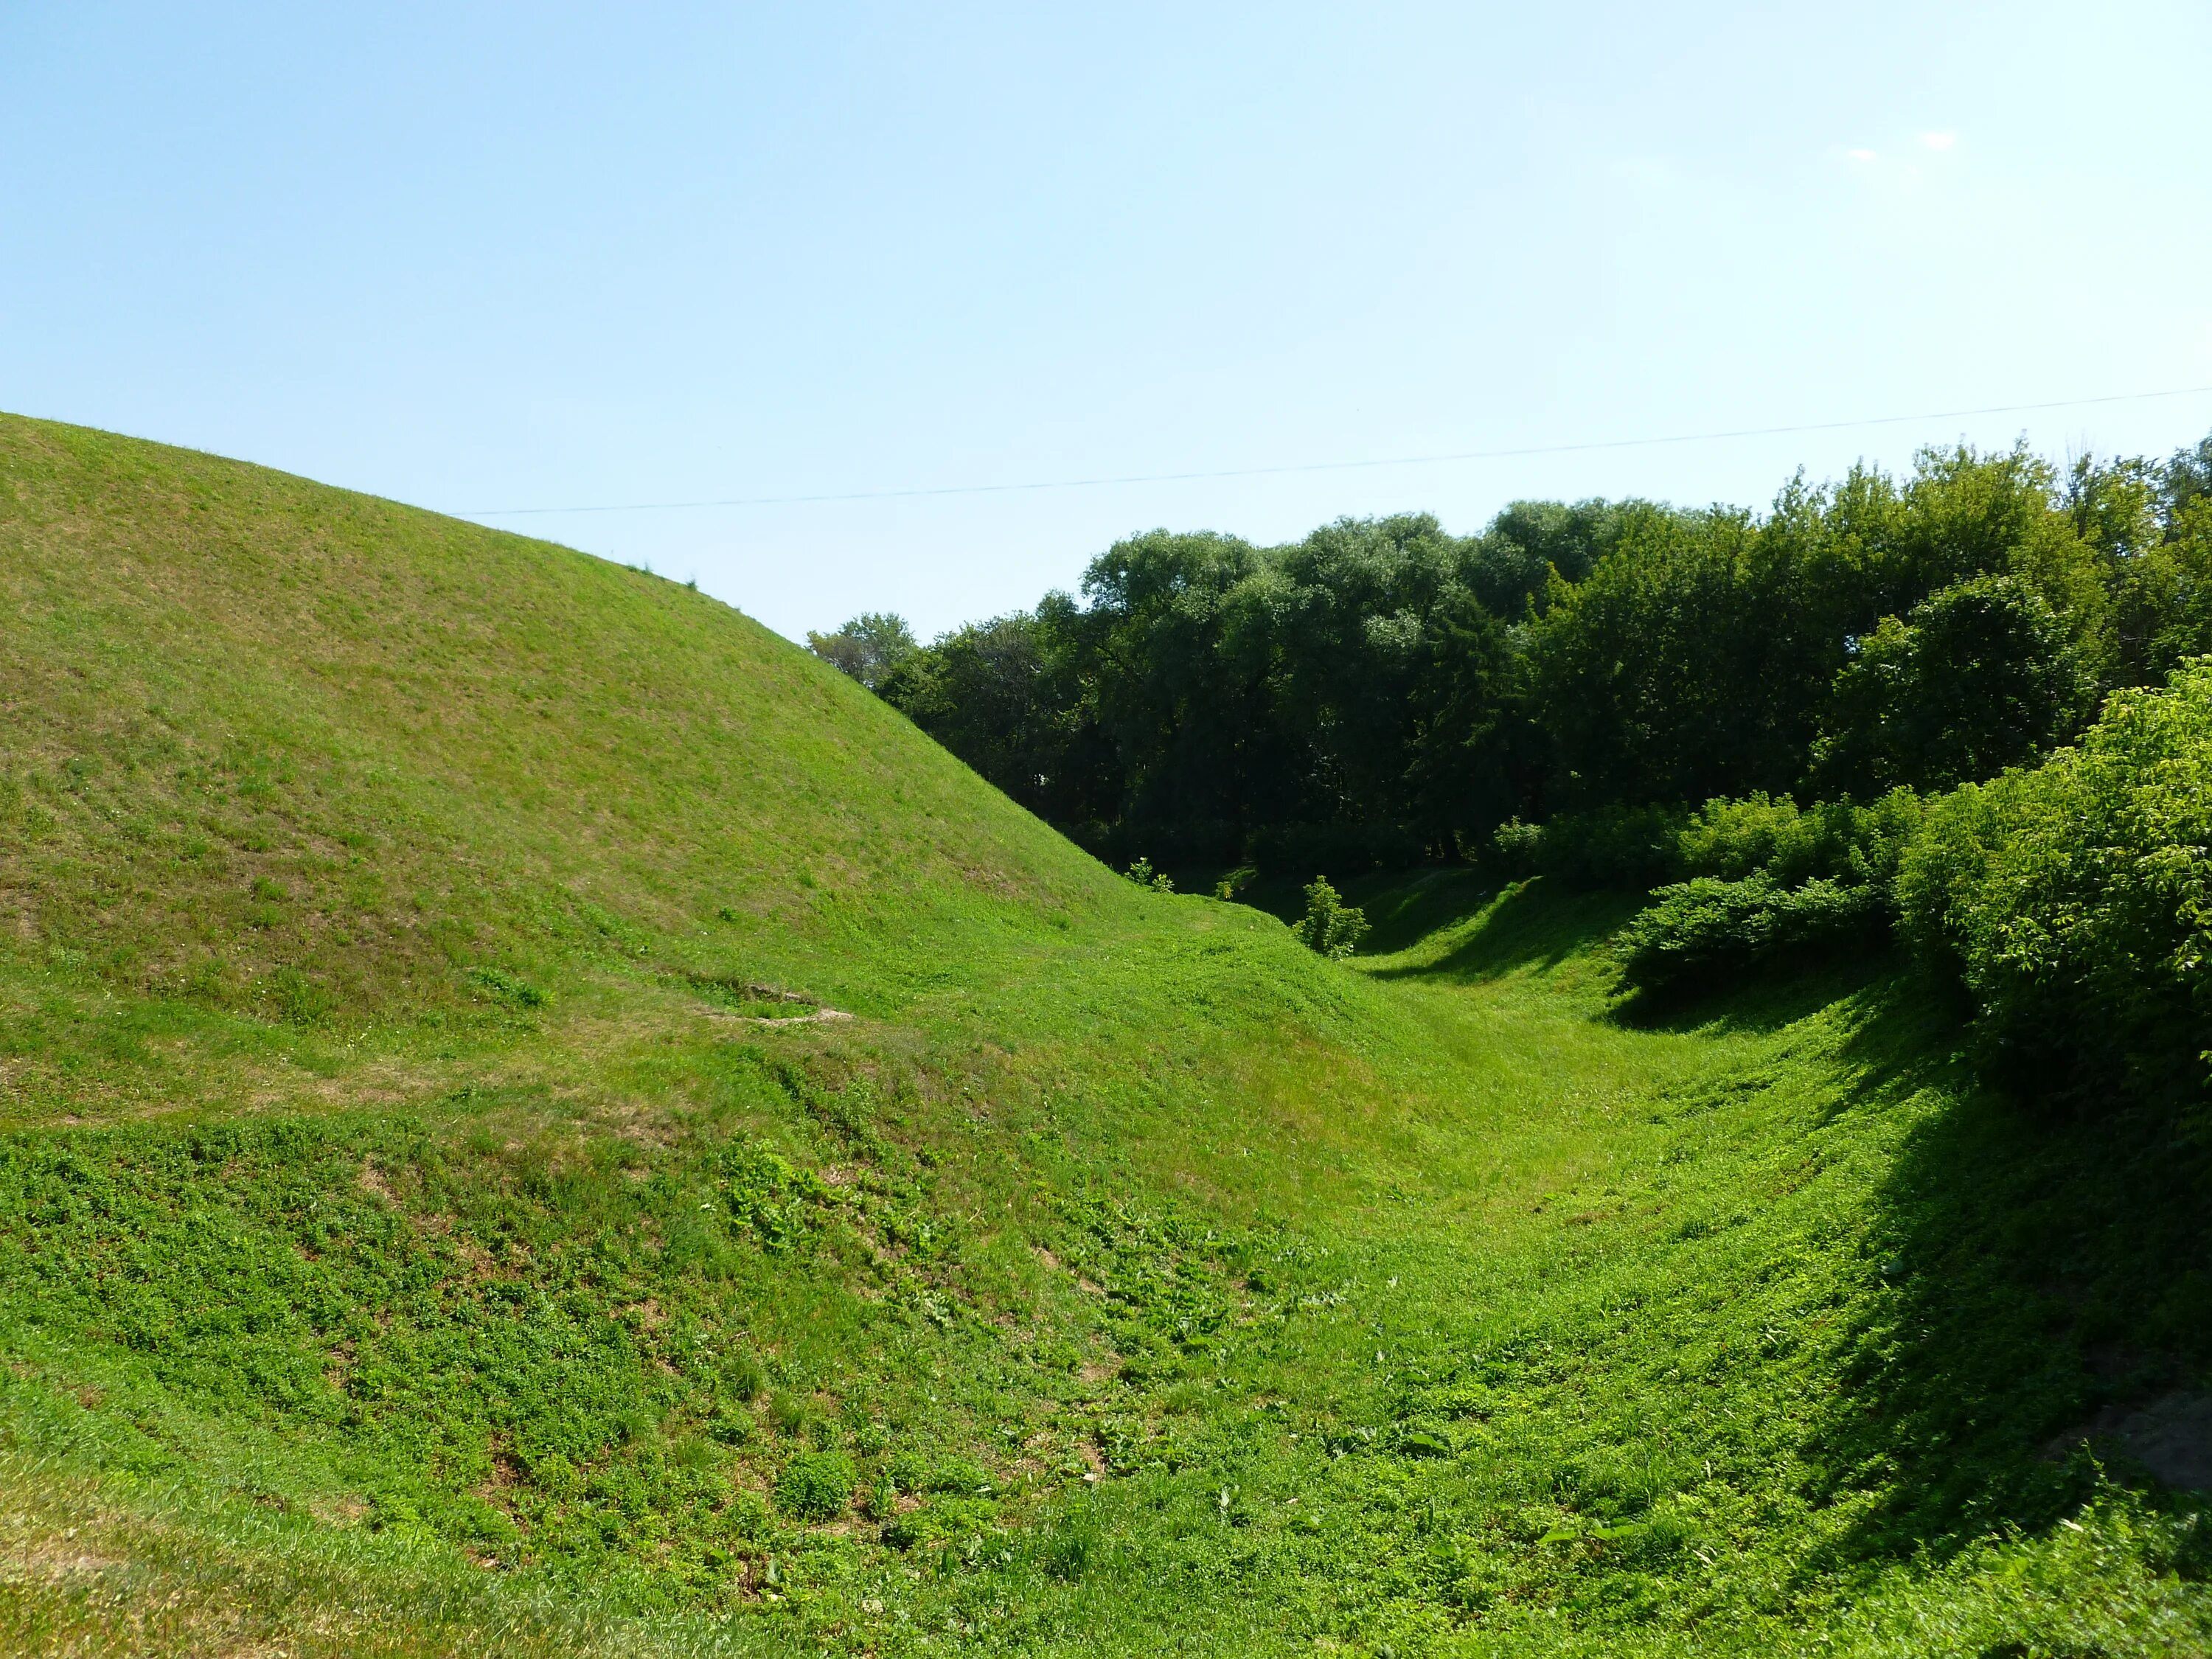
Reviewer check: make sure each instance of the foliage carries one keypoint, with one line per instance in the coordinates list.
(2162, 597)
(995, 694)
(1982, 676)
(1346, 693)
(871, 647)
(1626, 846)
(1228, 886)
(1707, 929)
(1770, 884)
(1144, 875)
(1857, 845)
(2186, 479)
(1382, 692)
(2074, 902)
(1329, 927)
(1637, 848)
(1679, 669)
(815, 1486)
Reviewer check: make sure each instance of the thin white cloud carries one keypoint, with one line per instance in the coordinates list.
(1938, 140)
(1858, 155)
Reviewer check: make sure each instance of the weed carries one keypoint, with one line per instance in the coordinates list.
(815, 1486)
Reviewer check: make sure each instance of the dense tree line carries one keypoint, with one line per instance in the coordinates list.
(1383, 691)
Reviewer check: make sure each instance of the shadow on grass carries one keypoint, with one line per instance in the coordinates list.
(1524, 927)
(2035, 1277)
(1404, 908)
(1773, 996)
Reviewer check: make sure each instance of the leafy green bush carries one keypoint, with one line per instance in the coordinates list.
(815, 1486)
(2074, 902)
(1144, 875)
(1760, 834)
(1772, 836)
(1329, 925)
(1515, 846)
(1707, 929)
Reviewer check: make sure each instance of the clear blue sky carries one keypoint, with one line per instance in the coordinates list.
(480, 257)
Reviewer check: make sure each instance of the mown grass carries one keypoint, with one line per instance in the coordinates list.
(412, 1241)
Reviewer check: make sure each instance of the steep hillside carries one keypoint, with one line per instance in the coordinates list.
(431, 1221)
(287, 748)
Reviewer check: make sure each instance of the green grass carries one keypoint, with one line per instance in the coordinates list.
(412, 1241)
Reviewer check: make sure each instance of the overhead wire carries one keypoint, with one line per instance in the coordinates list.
(1525, 451)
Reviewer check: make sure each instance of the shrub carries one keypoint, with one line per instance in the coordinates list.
(1772, 836)
(1705, 930)
(1329, 925)
(815, 1486)
(1633, 847)
(1517, 846)
(1642, 847)
(1144, 875)
(2074, 902)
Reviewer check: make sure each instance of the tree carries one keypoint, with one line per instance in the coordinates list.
(1179, 721)
(1673, 673)
(1473, 758)
(2188, 478)
(991, 694)
(2162, 600)
(869, 647)
(1512, 561)
(2070, 902)
(1981, 676)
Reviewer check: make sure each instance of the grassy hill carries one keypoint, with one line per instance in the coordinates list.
(415, 1236)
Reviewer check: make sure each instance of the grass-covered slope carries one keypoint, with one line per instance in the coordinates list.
(287, 750)
(413, 1239)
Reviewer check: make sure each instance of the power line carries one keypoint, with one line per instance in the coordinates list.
(1343, 466)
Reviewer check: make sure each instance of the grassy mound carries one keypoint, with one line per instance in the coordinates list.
(427, 1223)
